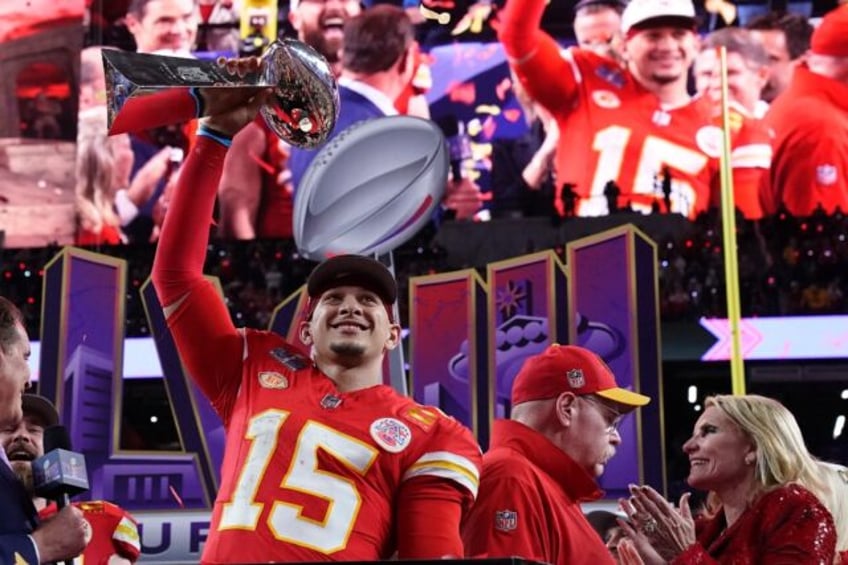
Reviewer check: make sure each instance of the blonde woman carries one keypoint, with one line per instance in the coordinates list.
(103, 170)
(748, 452)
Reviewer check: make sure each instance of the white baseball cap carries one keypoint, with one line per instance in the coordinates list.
(638, 12)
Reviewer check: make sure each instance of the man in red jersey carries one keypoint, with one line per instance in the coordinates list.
(630, 126)
(544, 461)
(810, 121)
(322, 461)
(112, 534)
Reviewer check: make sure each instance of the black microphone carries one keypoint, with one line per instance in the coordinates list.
(60, 473)
(459, 143)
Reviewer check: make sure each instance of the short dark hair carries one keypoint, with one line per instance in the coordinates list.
(10, 317)
(137, 7)
(796, 29)
(375, 39)
(738, 40)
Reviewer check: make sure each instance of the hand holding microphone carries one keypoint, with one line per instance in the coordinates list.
(462, 195)
(58, 475)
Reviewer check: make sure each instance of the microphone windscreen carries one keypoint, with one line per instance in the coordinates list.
(56, 437)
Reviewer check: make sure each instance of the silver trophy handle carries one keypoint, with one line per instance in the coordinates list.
(145, 91)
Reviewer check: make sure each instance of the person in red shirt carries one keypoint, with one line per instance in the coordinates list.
(810, 166)
(322, 461)
(111, 533)
(748, 452)
(631, 126)
(543, 462)
(747, 73)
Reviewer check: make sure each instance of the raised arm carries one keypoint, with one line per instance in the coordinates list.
(208, 342)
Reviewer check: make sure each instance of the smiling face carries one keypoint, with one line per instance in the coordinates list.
(165, 25)
(320, 24)
(720, 454)
(744, 80)
(23, 443)
(14, 375)
(599, 30)
(662, 55)
(349, 326)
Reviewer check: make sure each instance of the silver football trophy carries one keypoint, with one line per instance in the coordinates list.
(302, 111)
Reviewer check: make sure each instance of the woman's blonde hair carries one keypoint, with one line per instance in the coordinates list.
(782, 455)
(94, 194)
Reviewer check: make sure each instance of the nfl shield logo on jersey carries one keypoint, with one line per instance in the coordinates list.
(506, 520)
(391, 434)
(576, 378)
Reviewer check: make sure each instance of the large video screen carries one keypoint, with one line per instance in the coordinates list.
(40, 43)
(63, 181)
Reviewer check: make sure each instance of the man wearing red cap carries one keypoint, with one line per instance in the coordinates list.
(810, 121)
(544, 461)
(322, 461)
(633, 127)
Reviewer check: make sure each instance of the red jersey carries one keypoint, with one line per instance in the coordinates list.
(810, 168)
(311, 473)
(750, 159)
(113, 532)
(613, 129)
(276, 208)
(529, 503)
(785, 525)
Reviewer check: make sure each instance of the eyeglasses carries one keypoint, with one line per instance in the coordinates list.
(613, 417)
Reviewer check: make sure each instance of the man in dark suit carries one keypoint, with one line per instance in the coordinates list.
(377, 64)
(22, 539)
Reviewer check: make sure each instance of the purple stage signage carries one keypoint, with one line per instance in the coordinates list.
(613, 293)
(448, 361)
(83, 332)
(527, 305)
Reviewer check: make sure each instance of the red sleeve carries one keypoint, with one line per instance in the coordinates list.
(209, 344)
(429, 514)
(801, 531)
(507, 519)
(746, 192)
(811, 167)
(750, 159)
(548, 75)
(125, 536)
(169, 106)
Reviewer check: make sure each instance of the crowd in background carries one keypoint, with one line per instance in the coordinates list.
(787, 266)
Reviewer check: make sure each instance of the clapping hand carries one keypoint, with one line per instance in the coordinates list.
(656, 528)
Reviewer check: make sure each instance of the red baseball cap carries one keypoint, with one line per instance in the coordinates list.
(569, 368)
(831, 35)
